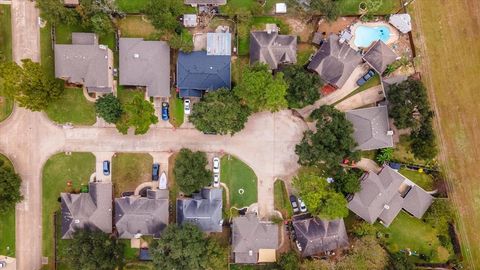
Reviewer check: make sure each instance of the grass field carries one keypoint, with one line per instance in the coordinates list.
(6, 103)
(447, 36)
(403, 153)
(72, 107)
(350, 7)
(133, 26)
(7, 224)
(130, 170)
(131, 6)
(176, 111)
(58, 170)
(422, 179)
(238, 176)
(282, 202)
(63, 35)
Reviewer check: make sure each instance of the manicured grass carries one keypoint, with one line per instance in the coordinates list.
(126, 95)
(407, 232)
(236, 4)
(46, 50)
(63, 35)
(304, 53)
(72, 107)
(403, 153)
(238, 176)
(176, 111)
(139, 266)
(130, 170)
(374, 81)
(6, 106)
(135, 27)
(7, 223)
(350, 7)
(5, 33)
(282, 202)
(422, 179)
(237, 69)
(58, 171)
(131, 6)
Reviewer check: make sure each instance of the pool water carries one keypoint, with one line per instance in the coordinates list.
(366, 35)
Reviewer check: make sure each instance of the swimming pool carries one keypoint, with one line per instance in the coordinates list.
(365, 35)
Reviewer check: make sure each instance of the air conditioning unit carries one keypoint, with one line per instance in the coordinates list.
(390, 133)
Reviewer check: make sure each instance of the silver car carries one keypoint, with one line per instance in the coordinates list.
(216, 165)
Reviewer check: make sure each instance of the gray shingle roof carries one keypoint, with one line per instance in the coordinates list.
(417, 201)
(401, 21)
(204, 209)
(370, 127)
(84, 38)
(145, 63)
(379, 56)
(272, 49)
(205, 2)
(249, 235)
(92, 210)
(335, 62)
(316, 236)
(87, 64)
(142, 215)
(198, 71)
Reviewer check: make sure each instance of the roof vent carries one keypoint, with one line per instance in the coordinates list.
(390, 133)
(136, 55)
(386, 206)
(76, 221)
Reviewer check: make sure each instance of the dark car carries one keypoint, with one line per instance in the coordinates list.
(106, 167)
(294, 202)
(366, 77)
(155, 171)
(165, 114)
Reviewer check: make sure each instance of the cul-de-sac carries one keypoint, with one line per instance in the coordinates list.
(239, 134)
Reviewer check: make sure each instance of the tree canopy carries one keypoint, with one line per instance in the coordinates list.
(260, 90)
(331, 143)
(163, 14)
(93, 250)
(328, 8)
(423, 143)
(289, 261)
(302, 86)
(321, 200)
(346, 181)
(190, 172)
(9, 188)
(109, 108)
(367, 253)
(138, 113)
(220, 112)
(185, 247)
(55, 12)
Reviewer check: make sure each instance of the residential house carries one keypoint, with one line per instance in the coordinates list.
(87, 211)
(371, 128)
(136, 216)
(254, 241)
(145, 63)
(270, 48)
(195, 3)
(401, 21)
(204, 209)
(85, 62)
(379, 56)
(383, 195)
(316, 236)
(198, 72)
(334, 62)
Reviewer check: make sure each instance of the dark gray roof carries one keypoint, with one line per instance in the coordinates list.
(335, 62)
(205, 2)
(145, 63)
(316, 236)
(417, 201)
(370, 127)
(272, 49)
(142, 215)
(249, 235)
(204, 209)
(92, 210)
(379, 56)
(84, 38)
(87, 64)
(202, 72)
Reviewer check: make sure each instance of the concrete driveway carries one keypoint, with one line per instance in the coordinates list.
(370, 96)
(100, 157)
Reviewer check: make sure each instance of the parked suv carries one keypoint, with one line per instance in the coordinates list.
(294, 202)
(165, 114)
(366, 77)
(155, 171)
(106, 167)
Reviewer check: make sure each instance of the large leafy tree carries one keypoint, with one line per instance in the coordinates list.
(331, 143)
(423, 141)
(220, 112)
(30, 85)
(138, 113)
(289, 261)
(186, 247)
(9, 188)
(328, 8)
(346, 181)
(163, 14)
(97, 15)
(367, 253)
(93, 250)
(321, 200)
(55, 12)
(190, 171)
(109, 108)
(260, 90)
(303, 86)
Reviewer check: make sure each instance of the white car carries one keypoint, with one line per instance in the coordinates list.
(216, 180)
(303, 207)
(216, 165)
(186, 106)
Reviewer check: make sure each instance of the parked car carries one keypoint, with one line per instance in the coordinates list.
(216, 180)
(293, 201)
(3, 264)
(366, 77)
(186, 106)
(155, 171)
(106, 167)
(165, 113)
(216, 165)
(303, 207)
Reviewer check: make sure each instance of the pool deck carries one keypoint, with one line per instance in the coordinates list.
(394, 34)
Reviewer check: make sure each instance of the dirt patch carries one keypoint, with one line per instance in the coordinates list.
(336, 26)
(304, 30)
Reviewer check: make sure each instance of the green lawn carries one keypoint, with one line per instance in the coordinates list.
(130, 170)
(304, 53)
(374, 81)
(135, 27)
(63, 35)
(126, 94)
(131, 6)
(282, 202)
(422, 179)
(6, 103)
(72, 107)
(350, 7)
(7, 224)
(46, 50)
(403, 153)
(58, 170)
(409, 232)
(176, 110)
(238, 176)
